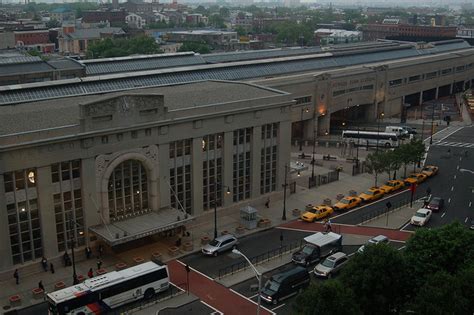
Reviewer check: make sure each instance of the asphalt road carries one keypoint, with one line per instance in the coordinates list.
(454, 186)
(251, 246)
(195, 308)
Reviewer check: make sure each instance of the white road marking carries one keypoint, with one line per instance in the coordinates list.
(460, 159)
(215, 309)
(449, 134)
(403, 227)
(465, 221)
(401, 247)
(454, 176)
(196, 271)
(470, 203)
(449, 200)
(176, 286)
(275, 308)
(444, 213)
(457, 167)
(452, 188)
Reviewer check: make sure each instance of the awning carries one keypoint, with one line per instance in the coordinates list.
(120, 232)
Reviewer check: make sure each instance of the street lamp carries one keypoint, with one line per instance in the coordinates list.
(303, 110)
(71, 223)
(378, 130)
(258, 275)
(215, 205)
(283, 217)
(314, 147)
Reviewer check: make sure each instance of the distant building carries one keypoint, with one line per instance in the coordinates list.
(135, 21)
(217, 39)
(114, 17)
(171, 48)
(76, 43)
(7, 40)
(407, 32)
(324, 36)
(196, 19)
(34, 39)
(62, 14)
(263, 23)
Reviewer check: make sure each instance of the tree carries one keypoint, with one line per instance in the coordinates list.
(240, 31)
(378, 278)
(330, 297)
(199, 47)
(109, 47)
(294, 34)
(418, 150)
(217, 21)
(224, 12)
(53, 23)
(375, 163)
(405, 156)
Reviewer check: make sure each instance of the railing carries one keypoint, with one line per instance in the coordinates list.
(323, 179)
(265, 257)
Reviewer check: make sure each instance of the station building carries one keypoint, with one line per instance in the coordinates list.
(121, 156)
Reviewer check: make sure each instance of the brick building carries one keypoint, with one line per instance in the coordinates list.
(406, 31)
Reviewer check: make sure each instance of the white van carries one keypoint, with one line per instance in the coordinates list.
(400, 131)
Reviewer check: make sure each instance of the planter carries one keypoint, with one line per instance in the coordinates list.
(138, 260)
(296, 212)
(225, 232)
(339, 196)
(264, 223)
(120, 266)
(327, 201)
(309, 207)
(188, 246)
(352, 193)
(59, 285)
(80, 278)
(205, 240)
(15, 300)
(156, 256)
(101, 271)
(173, 251)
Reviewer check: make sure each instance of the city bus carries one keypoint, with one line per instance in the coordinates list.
(100, 294)
(371, 138)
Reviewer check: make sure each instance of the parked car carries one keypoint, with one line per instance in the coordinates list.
(331, 265)
(392, 185)
(415, 178)
(372, 194)
(219, 245)
(436, 204)
(421, 217)
(316, 213)
(347, 203)
(374, 241)
(430, 170)
(472, 224)
(285, 284)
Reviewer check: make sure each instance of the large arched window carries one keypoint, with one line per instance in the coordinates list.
(128, 190)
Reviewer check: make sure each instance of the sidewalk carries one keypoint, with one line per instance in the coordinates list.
(228, 220)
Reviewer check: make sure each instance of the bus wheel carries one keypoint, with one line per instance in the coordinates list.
(149, 293)
(387, 145)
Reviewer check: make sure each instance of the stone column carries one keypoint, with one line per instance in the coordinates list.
(284, 150)
(90, 196)
(196, 176)
(164, 172)
(420, 100)
(324, 123)
(437, 92)
(5, 249)
(255, 164)
(44, 188)
(227, 167)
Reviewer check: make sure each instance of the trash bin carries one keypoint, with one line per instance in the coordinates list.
(248, 217)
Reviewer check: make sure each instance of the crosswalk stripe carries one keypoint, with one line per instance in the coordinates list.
(455, 144)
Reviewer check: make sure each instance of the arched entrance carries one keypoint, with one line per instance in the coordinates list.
(128, 190)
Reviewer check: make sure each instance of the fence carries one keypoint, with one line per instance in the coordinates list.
(323, 179)
(359, 168)
(267, 256)
(383, 210)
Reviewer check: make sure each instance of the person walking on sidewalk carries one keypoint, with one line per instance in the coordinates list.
(40, 285)
(101, 250)
(16, 276)
(51, 267)
(90, 273)
(99, 264)
(44, 263)
(329, 226)
(267, 204)
(88, 252)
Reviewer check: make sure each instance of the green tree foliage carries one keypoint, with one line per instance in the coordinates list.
(224, 12)
(376, 163)
(378, 278)
(202, 10)
(293, 34)
(217, 21)
(157, 25)
(109, 47)
(199, 47)
(240, 31)
(53, 23)
(329, 298)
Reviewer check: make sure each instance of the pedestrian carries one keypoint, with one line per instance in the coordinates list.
(267, 203)
(88, 252)
(329, 226)
(16, 276)
(178, 242)
(90, 273)
(44, 262)
(66, 259)
(51, 267)
(101, 251)
(40, 285)
(99, 264)
(428, 191)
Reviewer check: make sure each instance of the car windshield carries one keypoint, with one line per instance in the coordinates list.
(307, 249)
(312, 210)
(420, 214)
(328, 263)
(368, 192)
(345, 201)
(214, 243)
(390, 184)
(427, 169)
(413, 176)
(272, 285)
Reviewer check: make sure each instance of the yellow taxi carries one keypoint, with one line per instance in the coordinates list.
(415, 178)
(392, 185)
(347, 203)
(316, 213)
(372, 194)
(430, 170)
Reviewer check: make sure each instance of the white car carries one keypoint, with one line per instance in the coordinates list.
(374, 241)
(421, 217)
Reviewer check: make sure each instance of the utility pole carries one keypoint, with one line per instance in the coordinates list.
(283, 217)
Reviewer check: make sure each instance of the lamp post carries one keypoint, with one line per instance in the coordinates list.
(283, 217)
(71, 241)
(215, 205)
(378, 130)
(302, 127)
(432, 120)
(258, 275)
(314, 147)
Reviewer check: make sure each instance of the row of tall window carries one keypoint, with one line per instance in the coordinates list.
(180, 174)
(212, 170)
(268, 158)
(241, 164)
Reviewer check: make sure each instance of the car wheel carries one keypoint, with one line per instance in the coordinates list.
(275, 302)
(215, 253)
(149, 293)
(234, 246)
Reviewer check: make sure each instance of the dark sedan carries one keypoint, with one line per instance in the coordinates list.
(436, 204)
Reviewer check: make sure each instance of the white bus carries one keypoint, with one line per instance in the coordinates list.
(100, 294)
(371, 138)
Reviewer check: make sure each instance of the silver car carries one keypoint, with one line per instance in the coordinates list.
(331, 265)
(220, 244)
(374, 241)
